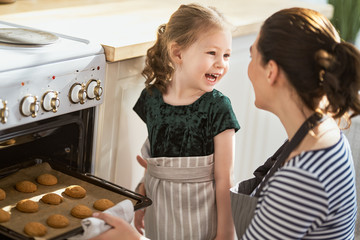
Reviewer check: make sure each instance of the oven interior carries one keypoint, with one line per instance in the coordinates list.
(66, 140)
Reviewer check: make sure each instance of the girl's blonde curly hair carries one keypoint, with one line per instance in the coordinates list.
(183, 28)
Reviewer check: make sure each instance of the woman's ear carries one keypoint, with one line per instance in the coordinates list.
(175, 53)
(272, 72)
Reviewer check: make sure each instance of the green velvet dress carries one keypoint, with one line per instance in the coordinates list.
(182, 131)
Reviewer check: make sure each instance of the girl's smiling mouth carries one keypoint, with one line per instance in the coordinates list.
(212, 77)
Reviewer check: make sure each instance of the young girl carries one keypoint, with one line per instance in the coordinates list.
(191, 128)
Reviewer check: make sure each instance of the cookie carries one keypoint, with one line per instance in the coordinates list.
(81, 211)
(103, 204)
(75, 191)
(47, 179)
(35, 229)
(52, 198)
(27, 206)
(4, 216)
(26, 187)
(57, 221)
(2, 194)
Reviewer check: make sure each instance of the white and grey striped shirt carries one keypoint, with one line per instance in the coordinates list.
(312, 197)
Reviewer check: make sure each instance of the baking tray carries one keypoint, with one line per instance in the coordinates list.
(96, 188)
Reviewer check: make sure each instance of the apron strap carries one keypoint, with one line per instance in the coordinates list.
(309, 124)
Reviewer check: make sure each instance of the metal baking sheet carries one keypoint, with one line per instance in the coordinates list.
(96, 188)
(25, 36)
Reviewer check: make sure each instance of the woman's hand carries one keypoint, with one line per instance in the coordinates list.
(120, 228)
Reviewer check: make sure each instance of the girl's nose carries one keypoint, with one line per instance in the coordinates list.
(220, 63)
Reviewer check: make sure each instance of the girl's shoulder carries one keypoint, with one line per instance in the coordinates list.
(150, 95)
(150, 92)
(215, 96)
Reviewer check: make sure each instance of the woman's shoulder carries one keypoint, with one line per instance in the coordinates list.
(324, 161)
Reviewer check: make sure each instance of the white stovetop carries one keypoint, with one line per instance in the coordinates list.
(14, 56)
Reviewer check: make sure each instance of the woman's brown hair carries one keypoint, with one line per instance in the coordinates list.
(183, 28)
(317, 63)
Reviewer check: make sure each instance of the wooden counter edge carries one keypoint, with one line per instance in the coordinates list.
(114, 54)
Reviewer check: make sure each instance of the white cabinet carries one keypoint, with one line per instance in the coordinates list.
(121, 132)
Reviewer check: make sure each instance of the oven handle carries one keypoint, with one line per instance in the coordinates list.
(143, 201)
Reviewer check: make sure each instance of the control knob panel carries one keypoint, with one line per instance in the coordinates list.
(94, 89)
(51, 90)
(78, 93)
(29, 106)
(51, 101)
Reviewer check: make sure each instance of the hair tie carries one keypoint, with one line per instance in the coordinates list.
(162, 29)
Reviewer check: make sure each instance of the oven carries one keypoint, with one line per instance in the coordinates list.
(50, 88)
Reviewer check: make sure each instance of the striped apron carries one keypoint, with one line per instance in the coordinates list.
(244, 196)
(183, 193)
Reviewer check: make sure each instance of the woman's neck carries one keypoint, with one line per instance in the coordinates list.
(292, 117)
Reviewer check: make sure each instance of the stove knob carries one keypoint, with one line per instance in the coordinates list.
(4, 111)
(93, 89)
(51, 101)
(29, 106)
(78, 93)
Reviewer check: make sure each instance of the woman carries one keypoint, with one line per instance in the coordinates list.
(299, 67)
(303, 73)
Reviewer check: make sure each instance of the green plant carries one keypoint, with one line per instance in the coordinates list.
(346, 18)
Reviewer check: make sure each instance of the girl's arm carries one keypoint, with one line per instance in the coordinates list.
(224, 157)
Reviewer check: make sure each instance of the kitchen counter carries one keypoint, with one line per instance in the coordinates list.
(126, 29)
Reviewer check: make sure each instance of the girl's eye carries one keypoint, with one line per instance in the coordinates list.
(212, 53)
(227, 55)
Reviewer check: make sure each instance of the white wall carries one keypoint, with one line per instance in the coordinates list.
(261, 132)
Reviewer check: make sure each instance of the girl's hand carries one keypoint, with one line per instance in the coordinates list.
(139, 214)
(141, 161)
(139, 220)
(120, 228)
